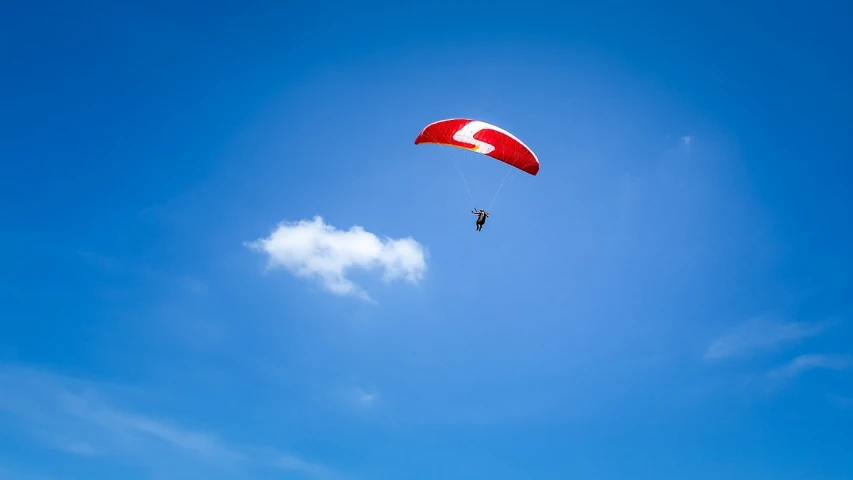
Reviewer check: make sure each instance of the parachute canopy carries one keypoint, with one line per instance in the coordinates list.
(481, 137)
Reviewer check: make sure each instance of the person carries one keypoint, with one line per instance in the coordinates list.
(481, 217)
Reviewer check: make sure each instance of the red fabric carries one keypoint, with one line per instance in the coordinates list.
(506, 148)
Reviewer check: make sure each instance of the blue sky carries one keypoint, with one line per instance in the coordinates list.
(669, 298)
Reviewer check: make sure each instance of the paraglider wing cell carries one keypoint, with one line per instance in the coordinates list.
(481, 137)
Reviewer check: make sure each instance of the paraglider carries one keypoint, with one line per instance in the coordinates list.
(486, 139)
(482, 215)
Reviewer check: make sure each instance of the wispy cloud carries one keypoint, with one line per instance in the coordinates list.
(295, 464)
(313, 249)
(19, 473)
(841, 400)
(364, 397)
(82, 418)
(123, 266)
(760, 335)
(81, 448)
(804, 363)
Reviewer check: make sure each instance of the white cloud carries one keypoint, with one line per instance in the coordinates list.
(80, 417)
(313, 249)
(761, 334)
(804, 363)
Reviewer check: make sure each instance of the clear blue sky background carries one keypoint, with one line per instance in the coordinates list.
(647, 307)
